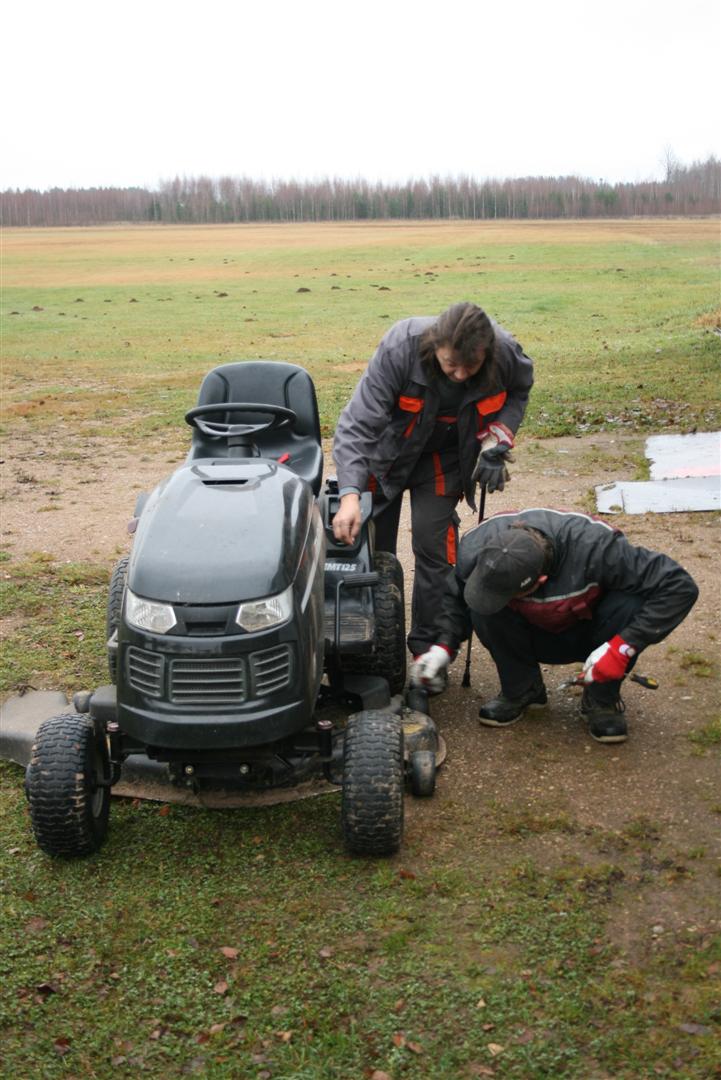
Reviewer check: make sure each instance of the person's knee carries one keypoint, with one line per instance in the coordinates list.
(613, 612)
(431, 550)
(484, 627)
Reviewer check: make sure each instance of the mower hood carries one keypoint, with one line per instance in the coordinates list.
(217, 532)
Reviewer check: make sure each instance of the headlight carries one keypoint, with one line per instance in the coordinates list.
(256, 615)
(149, 614)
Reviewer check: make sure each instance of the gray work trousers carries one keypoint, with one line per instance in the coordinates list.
(435, 489)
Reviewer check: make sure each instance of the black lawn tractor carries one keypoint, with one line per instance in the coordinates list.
(240, 634)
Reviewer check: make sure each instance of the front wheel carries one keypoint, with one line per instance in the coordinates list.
(67, 786)
(423, 773)
(115, 610)
(372, 799)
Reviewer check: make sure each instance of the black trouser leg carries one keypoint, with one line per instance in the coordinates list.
(434, 530)
(517, 647)
(509, 639)
(386, 516)
(434, 486)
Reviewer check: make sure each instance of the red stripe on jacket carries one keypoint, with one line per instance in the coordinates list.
(558, 613)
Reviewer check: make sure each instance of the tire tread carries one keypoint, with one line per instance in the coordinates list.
(373, 783)
(58, 788)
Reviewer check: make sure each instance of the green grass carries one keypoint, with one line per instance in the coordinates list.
(56, 631)
(612, 316)
(708, 735)
(337, 966)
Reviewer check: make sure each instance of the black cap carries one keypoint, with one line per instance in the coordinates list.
(506, 565)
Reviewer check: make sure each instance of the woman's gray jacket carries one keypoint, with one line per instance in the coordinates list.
(385, 426)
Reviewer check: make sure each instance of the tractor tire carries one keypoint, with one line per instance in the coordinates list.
(388, 659)
(372, 796)
(68, 809)
(115, 610)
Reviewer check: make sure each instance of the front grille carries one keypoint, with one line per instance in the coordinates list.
(208, 682)
(271, 670)
(145, 671)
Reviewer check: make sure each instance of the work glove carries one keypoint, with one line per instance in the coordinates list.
(429, 670)
(490, 468)
(609, 661)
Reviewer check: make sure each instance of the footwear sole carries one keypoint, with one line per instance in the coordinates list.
(608, 738)
(488, 722)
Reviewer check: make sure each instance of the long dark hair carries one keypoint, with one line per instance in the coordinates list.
(466, 328)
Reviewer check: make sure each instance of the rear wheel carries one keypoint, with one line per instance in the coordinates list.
(66, 786)
(372, 800)
(388, 659)
(115, 610)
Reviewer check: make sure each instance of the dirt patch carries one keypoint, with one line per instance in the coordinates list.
(640, 821)
(73, 498)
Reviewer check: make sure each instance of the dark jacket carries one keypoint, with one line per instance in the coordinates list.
(590, 558)
(385, 426)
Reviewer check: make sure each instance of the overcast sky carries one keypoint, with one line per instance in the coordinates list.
(101, 94)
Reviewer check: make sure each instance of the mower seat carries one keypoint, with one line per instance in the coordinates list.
(269, 382)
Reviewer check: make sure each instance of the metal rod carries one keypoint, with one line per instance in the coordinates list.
(466, 680)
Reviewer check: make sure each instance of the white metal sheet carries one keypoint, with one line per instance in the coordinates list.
(684, 455)
(660, 496)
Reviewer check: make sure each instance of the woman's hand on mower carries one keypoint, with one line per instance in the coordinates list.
(347, 519)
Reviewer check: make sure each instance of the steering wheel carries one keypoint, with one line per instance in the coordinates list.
(219, 429)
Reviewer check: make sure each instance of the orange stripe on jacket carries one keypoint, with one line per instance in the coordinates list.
(412, 405)
(440, 478)
(489, 405)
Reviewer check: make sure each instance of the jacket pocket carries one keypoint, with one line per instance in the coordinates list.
(410, 405)
(488, 406)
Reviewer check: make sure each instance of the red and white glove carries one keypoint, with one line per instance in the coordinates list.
(609, 661)
(497, 437)
(429, 669)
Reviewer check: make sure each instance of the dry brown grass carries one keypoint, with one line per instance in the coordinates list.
(167, 254)
(711, 319)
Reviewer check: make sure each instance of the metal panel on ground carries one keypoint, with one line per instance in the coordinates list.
(685, 475)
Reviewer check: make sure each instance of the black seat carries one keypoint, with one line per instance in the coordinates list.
(269, 382)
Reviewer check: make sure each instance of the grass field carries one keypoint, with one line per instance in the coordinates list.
(615, 314)
(246, 944)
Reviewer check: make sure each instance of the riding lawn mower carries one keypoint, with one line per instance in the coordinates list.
(238, 629)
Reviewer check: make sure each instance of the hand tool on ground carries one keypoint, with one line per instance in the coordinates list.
(642, 680)
(466, 680)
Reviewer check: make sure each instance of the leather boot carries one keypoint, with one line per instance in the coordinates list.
(501, 711)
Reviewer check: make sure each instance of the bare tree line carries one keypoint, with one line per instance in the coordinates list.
(685, 190)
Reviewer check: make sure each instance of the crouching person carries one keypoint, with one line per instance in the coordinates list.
(554, 587)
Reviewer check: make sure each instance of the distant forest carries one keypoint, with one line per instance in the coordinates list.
(686, 190)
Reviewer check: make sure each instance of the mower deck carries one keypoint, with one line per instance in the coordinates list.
(142, 778)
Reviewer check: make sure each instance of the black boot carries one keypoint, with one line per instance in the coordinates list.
(502, 710)
(602, 706)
